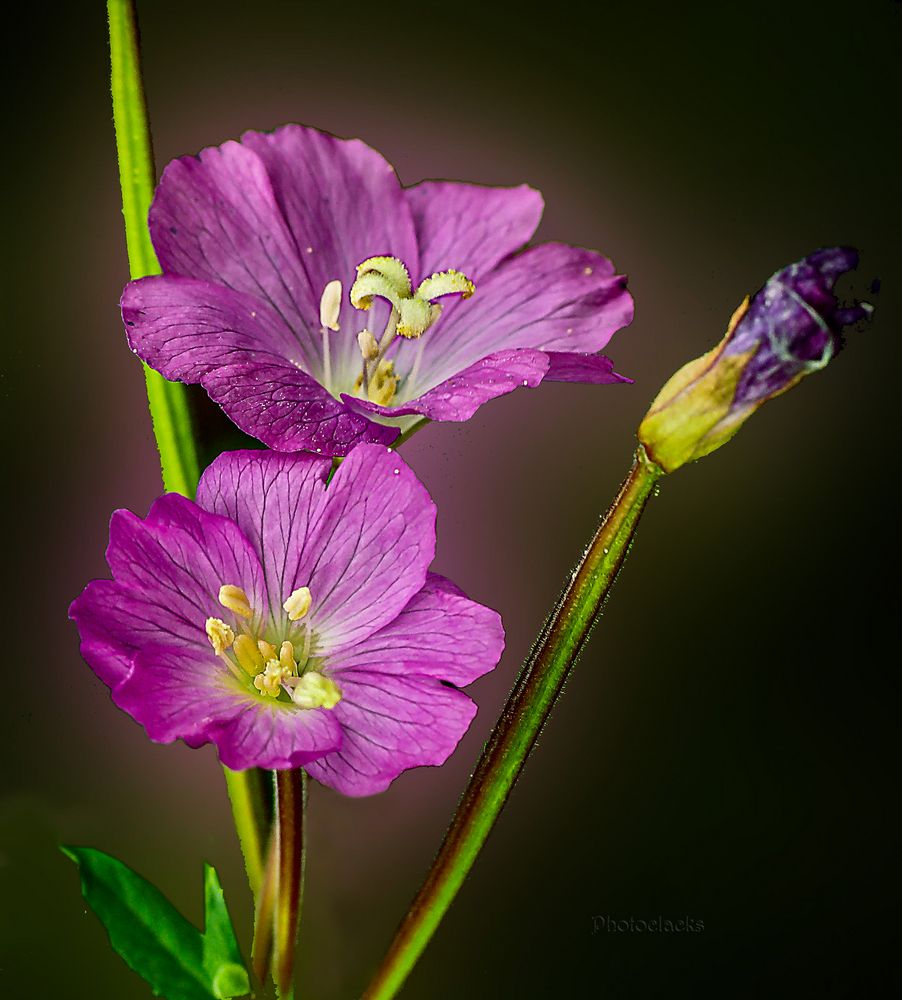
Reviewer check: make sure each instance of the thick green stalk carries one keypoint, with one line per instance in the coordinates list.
(167, 400)
(538, 686)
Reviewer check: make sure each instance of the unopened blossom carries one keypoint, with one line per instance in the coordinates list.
(791, 327)
(291, 624)
(321, 304)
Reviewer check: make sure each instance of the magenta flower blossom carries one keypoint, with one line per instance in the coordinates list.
(290, 624)
(322, 305)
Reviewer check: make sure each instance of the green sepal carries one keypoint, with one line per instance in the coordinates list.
(154, 939)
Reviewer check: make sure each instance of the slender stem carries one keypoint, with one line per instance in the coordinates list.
(289, 846)
(538, 686)
(167, 400)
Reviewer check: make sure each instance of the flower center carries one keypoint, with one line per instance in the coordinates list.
(285, 672)
(412, 313)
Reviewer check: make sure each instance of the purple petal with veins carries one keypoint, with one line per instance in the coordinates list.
(250, 233)
(371, 654)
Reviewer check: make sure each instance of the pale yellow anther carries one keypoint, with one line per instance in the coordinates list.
(247, 653)
(383, 383)
(269, 682)
(313, 690)
(369, 346)
(297, 604)
(235, 599)
(286, 657)
(220, 635)
(330, 305)
(267, 649)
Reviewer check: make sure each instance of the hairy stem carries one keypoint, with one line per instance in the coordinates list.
(540, 682)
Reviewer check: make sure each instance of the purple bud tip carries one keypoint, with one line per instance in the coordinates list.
(794, 323)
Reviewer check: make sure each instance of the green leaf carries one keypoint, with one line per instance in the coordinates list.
(154, 939)
(222, 959)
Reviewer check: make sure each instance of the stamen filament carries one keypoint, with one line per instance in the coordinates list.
(327, 360)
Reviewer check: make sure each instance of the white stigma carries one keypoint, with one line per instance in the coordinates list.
(330, 305)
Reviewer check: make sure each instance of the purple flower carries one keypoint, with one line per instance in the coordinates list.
(291, 624)
(321, 304)
(793, 326)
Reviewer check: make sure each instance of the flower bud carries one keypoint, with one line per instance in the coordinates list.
(792, 327)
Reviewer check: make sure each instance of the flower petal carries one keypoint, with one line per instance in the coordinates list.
(592, 368)
(470, 227)
(440, 634)
(289, 411)
(460, 396)
(215, 217)
(233, 345)
(197, 700)
(343, 203)
(167, 573)
(551, 297)
(275, 499)
(113, 622)
(391, 723)
(368, 552)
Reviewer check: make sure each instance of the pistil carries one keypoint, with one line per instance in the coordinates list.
(412, 314)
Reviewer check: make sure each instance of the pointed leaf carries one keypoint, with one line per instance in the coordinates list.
(154, 939)
(221, 957)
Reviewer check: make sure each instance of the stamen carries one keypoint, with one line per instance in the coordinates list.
(286, 657)
(383, 384)
(247, 654)
(369, 348)
(235, 599)
(297, 604)
(220, 635)
(267, 649)
(314, 690)
(330, 305)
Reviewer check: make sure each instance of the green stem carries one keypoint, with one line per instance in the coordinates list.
(538, 686)
(167, 400)
(247, 795)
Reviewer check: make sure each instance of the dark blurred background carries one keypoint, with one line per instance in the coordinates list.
(725, 750)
